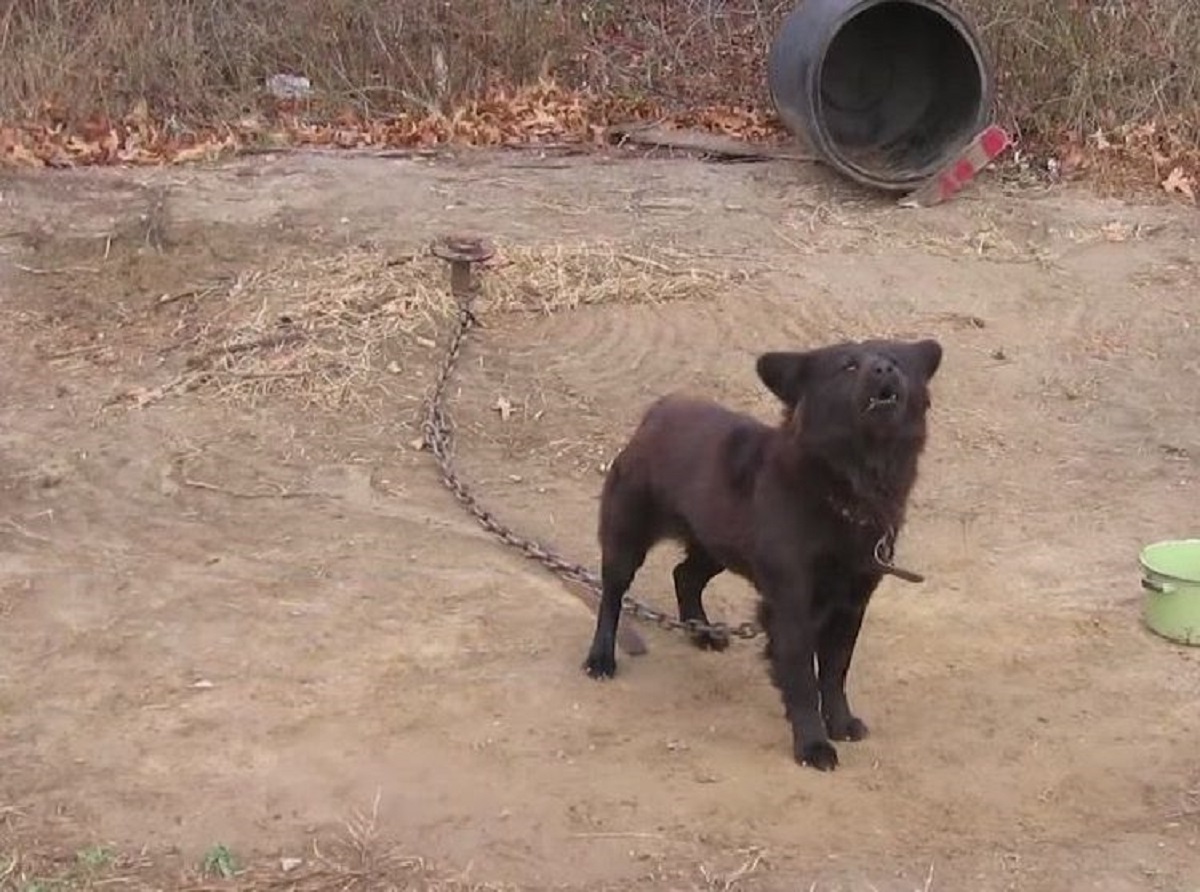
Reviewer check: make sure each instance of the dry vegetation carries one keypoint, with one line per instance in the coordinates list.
(334, 330)
(353, 860)
(1090, 81)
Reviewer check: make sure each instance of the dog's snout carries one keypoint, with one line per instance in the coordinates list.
(882, 368)
(884, 383)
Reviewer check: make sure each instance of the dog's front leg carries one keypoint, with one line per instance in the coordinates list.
(834, 651)
(791, 650)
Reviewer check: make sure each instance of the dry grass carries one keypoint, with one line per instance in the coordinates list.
(333, 330)
(201, 58)
(353, 858)
(552, 278)
(342, 861)
(1069, 66)
(1083, 66)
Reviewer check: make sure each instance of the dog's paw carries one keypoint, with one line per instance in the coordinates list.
(710, 641)
(848, 729)
(600, 666)
(820, 754)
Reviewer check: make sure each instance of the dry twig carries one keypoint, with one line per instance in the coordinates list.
(280, 493)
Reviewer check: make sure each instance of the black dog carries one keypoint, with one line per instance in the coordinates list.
(807, 511)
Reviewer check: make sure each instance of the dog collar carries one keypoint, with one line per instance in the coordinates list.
(885, 547)
(885, 550)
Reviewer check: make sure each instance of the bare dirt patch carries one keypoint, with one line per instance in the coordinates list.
(239, 615)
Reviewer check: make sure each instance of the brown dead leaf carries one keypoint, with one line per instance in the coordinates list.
(204, 151)
(1116, 231)
(141, 397)
(13, 151)
(1072, 159)
(1179, 183)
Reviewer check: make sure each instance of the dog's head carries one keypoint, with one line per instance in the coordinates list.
(877, 388)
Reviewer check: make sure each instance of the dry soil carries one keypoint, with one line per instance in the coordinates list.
(244, 614)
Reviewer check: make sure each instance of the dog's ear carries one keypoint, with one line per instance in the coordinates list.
(785, 374)
(926, 356)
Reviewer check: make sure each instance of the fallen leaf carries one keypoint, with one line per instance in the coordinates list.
(198, 152)
(1177, 182)
(1072, 159)
(1116, 231)
(141, 396)
(17, 155)
(504, 407)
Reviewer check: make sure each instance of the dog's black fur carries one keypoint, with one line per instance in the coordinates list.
(797, 509)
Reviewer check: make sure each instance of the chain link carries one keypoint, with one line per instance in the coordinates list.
(439, 439)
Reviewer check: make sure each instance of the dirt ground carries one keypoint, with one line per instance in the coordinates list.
(255, 618)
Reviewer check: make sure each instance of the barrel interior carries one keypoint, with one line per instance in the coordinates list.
(900, 90)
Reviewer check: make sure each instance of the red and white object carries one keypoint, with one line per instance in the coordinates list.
(978, 154)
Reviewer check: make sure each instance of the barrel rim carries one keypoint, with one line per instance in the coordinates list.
(983, 68)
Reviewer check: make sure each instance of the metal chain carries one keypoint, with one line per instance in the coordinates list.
(439, 438)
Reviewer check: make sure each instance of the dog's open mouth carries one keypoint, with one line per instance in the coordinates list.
(887, 398)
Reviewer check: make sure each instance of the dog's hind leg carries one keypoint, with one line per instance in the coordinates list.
(617, 570)
(835, 647)
(691, 575)
(626, 534)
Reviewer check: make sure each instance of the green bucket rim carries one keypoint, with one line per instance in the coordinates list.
(1144, 559)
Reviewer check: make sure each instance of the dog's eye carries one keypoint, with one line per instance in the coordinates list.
(850, 365)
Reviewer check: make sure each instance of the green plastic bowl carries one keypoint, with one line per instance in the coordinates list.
(1171, 578)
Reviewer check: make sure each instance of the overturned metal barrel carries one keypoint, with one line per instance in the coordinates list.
(886, 92)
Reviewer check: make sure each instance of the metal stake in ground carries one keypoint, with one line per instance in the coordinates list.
(462, 252)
